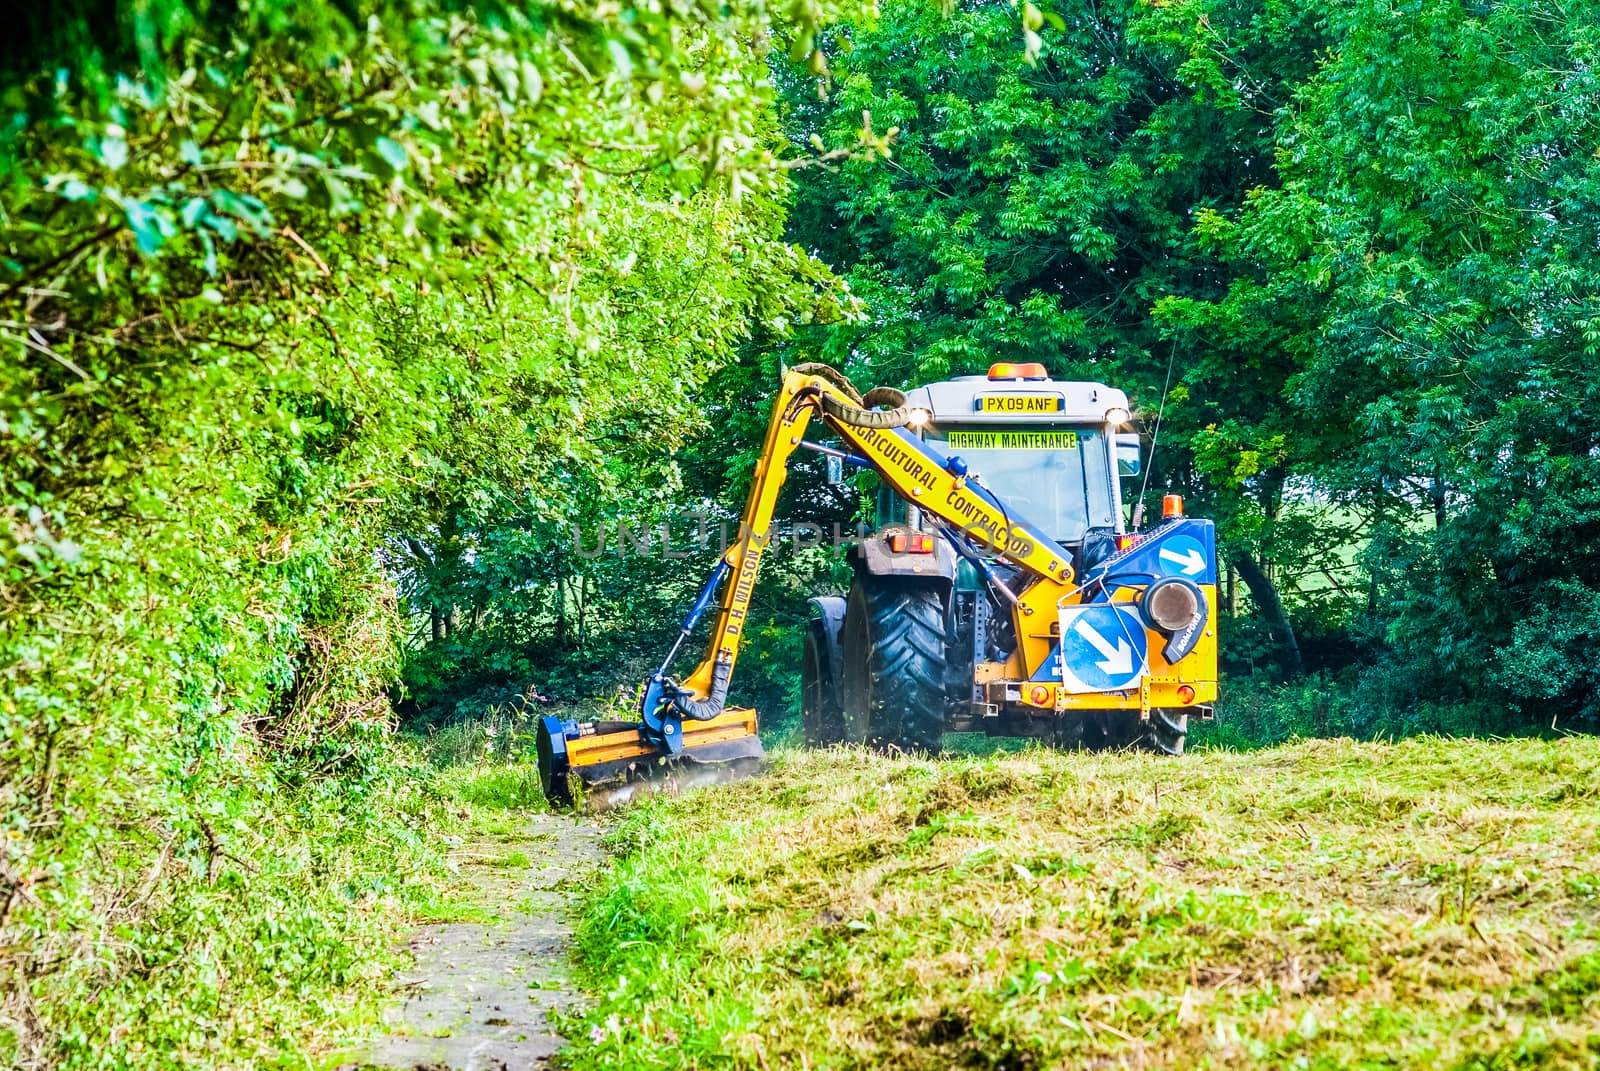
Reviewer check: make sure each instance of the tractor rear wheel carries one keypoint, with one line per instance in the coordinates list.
(1165, 733)
(894, 657)
(821, 714)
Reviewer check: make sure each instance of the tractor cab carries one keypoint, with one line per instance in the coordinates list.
(1050, 450)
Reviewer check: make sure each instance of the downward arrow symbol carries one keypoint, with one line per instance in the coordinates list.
(1190, 562)
(1118, 660)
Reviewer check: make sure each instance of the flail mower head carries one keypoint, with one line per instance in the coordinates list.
(616, 761)
(684, 737)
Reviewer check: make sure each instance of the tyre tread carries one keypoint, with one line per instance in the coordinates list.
(906, 660)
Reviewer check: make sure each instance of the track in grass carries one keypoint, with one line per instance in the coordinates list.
(479, 994)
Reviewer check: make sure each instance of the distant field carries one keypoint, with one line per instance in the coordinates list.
(1430, 903)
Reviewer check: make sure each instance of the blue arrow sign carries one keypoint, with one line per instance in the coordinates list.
(1183, 548)
(1102, 648)
(1183, 556)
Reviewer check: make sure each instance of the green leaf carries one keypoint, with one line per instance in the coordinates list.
(151, 225)
(621, 58)
(245, 207)
(393, 153)
(113, 152)
(71, 187)
(342, 200)
(226, 229)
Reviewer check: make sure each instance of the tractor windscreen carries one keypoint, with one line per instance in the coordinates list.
(1059, 480)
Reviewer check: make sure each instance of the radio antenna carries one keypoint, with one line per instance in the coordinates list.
(1155, 434)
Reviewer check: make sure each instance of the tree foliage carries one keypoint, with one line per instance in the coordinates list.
(281, 287)
(1430, 258)
(586, 607)
(1050, 211)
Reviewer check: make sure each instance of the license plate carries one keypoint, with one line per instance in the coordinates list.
(1021, 403)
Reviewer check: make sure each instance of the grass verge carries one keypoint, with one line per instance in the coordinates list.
(1323, 904)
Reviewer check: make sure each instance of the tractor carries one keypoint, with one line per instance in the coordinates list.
(927, 640)
(1001, 590)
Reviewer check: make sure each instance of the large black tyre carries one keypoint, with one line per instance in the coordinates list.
(821, 714)
(1165, 733)
(1069, 730)
(894, 657)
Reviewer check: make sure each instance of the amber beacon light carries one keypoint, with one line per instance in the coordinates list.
(1028, 370)
(910, 543)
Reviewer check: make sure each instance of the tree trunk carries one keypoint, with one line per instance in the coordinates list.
(1265, 596)
(583, 608)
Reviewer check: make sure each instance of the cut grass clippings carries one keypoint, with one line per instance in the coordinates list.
(1431, 903)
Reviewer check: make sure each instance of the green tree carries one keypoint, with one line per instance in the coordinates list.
(565, 609)
(1431, 258)
(1046, 211)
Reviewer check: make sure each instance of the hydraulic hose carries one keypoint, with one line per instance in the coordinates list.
(896, 417)
(894, 414)
(832, 375)
(709, 707)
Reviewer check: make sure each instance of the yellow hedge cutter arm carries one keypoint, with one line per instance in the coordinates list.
(685, 723)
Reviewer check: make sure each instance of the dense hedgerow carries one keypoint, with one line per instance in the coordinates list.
(278, 288)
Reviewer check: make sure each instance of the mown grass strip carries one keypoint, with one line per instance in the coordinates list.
(1325, 904)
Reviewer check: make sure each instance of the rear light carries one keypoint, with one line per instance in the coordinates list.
(1040, 694)
(910, 543)
(1026, 370)
(1185, 694)
(1126, 541)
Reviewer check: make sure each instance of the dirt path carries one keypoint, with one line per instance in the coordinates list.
(478, 995)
